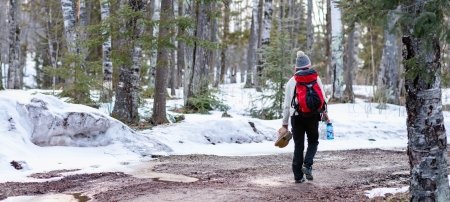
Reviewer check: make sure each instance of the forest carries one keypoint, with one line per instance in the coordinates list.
(133, 59)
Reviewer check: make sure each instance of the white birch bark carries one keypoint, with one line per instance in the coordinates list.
(309, 28)
(388, 76)
(69, 33)
(106, 52)
(14, 46)
(265, 40)
(337, 52)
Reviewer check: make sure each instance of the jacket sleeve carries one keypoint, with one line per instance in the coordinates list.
(319, 82)
(287, 101)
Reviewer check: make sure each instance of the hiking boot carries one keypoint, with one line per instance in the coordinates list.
(300, 180)
(308, 173)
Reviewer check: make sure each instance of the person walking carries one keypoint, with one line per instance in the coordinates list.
(304, 104)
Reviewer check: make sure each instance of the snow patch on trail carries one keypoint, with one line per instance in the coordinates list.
(381, 192)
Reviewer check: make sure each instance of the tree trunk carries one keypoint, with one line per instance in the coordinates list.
(127, 93)
(51, 42)
(159, 115)
(107, 91)
(223, 53)
(265, 40)
(351, 61)
(252, 46)
(388, 76)
(198, 78)
(328, 40)
(337, 53)
(309, 29)
(427, 141)
(180, 47)
(14, 46)
(212, 53)
(173, 71)
(70, 33)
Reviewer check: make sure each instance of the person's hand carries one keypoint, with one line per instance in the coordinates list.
(282, 130)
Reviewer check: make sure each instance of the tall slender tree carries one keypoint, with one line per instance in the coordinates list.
(159, 115)
(14, 46)
(223, 51)
(181, 62)
(427, 141)
(351, 62)
(106, 52)
(388, 76)
(337, 53)
(68, 12)
(265, 40)
(309, 28)
(198, 78)
(252, 45)
(127, 92)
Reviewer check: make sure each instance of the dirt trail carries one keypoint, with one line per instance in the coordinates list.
(338, 176)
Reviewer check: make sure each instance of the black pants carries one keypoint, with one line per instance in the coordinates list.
(300, 125)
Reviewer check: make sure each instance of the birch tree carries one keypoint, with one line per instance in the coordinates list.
(309, 28)
(106, 52)
(337, 53)
(68, 12)
(127, 92)
(159, 115)
(14, 46)
(252, 45)
(265, 39)
(388, 76)
(427, 141)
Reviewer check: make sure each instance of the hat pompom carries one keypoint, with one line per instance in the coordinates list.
(300, 53)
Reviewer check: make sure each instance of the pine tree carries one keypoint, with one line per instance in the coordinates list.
(159, 105)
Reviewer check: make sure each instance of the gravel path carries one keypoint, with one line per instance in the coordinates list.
(338, 176)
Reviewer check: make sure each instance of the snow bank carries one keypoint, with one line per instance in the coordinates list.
(381, 192)
(34, 127)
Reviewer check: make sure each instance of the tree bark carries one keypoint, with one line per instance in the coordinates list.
(427, 141)
(328, 40)
(181, 63)
(388, 76)
(212, 53)
(223, 53)
(199, 76)
(265, 40)
(351, 61)
(309, 29)
(14, 46)
(337, 53)
(252, 46)
(159, 115)
(70, 34)
(127, 92)
(107, 91)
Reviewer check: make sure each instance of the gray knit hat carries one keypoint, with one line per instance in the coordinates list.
(302, 60)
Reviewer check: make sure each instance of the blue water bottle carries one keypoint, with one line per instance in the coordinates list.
(330, 134)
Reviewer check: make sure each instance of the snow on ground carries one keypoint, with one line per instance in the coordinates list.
(381, 192)
(357, 126)
(44, 133)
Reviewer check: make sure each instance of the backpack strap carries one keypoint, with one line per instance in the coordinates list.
(293, 103)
